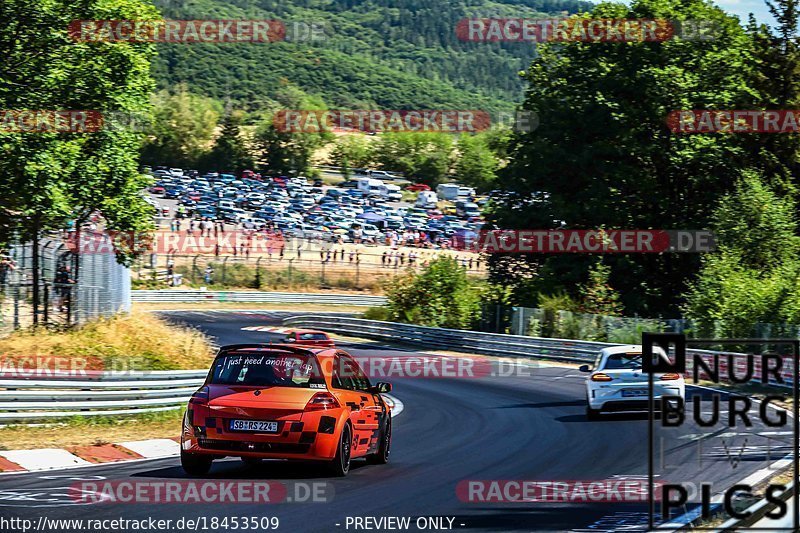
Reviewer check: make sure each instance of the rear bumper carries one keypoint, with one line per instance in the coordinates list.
(621, 405)
(315, 438)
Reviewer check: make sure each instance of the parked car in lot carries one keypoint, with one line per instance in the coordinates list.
(273, 401)
(391, 192)
(426, 199)
(467, 209)
(617, 383)
(417, 187)
(173, 193)
(297, 207)
(447, 191)
(380, 174)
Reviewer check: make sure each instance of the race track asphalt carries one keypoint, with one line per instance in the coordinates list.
(528, 426)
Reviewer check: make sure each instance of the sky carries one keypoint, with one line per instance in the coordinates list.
(743, 8)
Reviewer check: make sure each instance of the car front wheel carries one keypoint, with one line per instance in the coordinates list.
(340, 465)
(381, 456)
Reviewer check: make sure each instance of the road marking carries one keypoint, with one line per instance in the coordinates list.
(153, 448)
(43, 458)
(397, 405)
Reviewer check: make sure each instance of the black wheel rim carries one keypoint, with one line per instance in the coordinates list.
(346, 450)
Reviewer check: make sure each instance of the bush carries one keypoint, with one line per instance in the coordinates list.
(377, 313)
(440, 296)
(753, 278)
(551, 305)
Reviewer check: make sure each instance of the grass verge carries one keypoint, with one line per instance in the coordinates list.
(79, 431)
(135, 341)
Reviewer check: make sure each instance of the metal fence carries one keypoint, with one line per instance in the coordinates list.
(175, 295)
(335, 268)
(72, 287)
(536, 322)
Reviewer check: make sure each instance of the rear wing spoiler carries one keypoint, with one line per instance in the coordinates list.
(225, 350)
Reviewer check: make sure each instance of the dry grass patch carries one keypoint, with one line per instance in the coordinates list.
(92, 431)
(139, 341)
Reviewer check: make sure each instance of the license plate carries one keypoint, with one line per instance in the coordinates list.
(634, 392)
(260, 426)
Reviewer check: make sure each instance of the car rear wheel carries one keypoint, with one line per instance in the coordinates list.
(341, 463)
(381, 457)
(592, 414)
(194, 464)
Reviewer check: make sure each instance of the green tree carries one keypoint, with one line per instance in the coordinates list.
(281, 152)
(286, 153)
(602, 155)
(183, 128)
(421, 156)
(440, 296)
(50, 177)
(597, 296)
(352, 151)
(476, 164)
(753, 277)
(776, 76)
(230, 151)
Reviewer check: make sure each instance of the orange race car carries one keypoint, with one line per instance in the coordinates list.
(308, 337)
(277, 401)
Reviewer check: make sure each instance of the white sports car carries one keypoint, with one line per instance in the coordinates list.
(616, 382)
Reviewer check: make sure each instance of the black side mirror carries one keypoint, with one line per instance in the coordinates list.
(381, 386)
(584, 368)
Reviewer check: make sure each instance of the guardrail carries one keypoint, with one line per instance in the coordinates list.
(457, 339)
(483, 343)
(193, 296)
(100, 394)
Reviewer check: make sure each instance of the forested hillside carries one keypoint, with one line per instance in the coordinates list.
(393, 54)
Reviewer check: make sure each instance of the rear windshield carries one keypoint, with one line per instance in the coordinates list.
(623, 360)
(313, 337)
(259, 369)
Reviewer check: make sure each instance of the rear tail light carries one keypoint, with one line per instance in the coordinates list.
(200, 397)
(322, 401)
(601, 377)
(670, 377)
